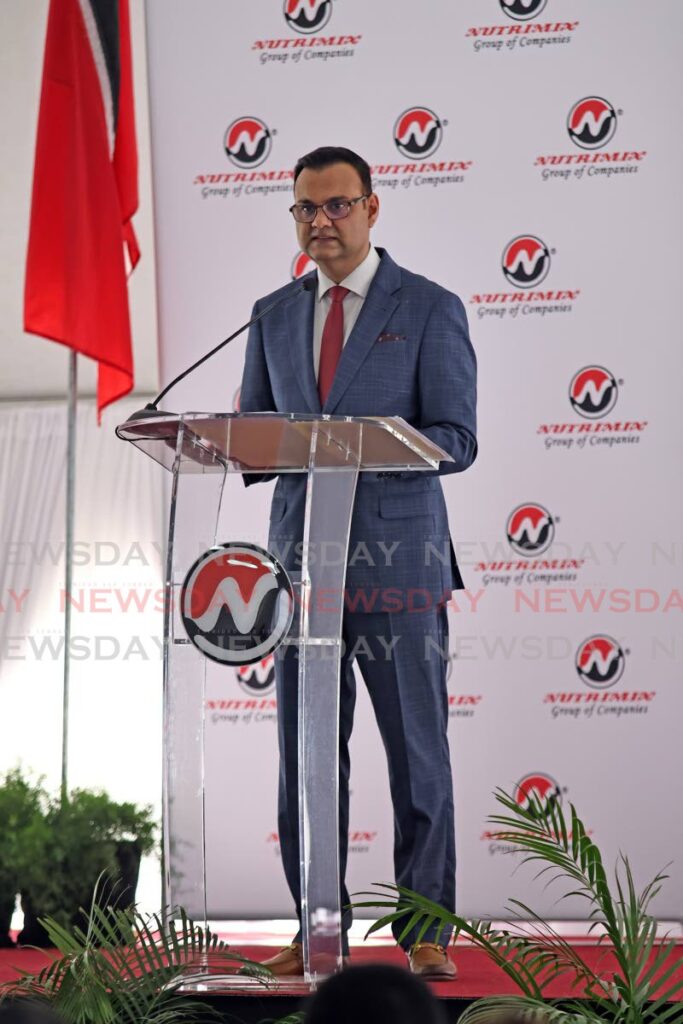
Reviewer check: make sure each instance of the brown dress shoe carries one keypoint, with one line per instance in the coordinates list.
(288, 963)
(431, 962)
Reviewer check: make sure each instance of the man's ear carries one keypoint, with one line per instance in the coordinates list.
(373, 209)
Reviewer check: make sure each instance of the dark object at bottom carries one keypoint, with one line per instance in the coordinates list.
(6, 911)
(118, 892)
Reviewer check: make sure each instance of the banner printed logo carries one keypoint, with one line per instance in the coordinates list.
(418, 132)
(307, 16)
(258, 679)
(301, 264)
(593, 392)
(537, 786)
(522, 10)
(248, 142)
(600, 662)
(526, 261)
(592, 122)
(237, 603)
(530, 529)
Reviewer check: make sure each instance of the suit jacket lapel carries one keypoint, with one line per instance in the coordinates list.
(379, 304)
(300, 323)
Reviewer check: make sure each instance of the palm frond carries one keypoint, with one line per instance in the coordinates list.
(535, 1011)
(127, 968)
(649, 973)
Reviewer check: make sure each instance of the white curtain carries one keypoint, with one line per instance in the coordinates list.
(116, 664)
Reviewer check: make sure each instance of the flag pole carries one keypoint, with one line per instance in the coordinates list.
(68, 558)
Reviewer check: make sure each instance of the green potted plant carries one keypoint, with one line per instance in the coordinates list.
(22, 803)
(76, 841)
(638, 976)
(123, 967)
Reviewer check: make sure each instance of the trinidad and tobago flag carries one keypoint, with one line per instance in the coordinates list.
(85, 190)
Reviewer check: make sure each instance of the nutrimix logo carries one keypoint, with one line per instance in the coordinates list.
(531, 790)
(307, 16)
(360, 841)
(530, 532)
(521, 31)
(248, 142)
(306, 19)
(530, 529)
(522, 10)
(600, 662)
(460, 705)
(257, 679)
(525, 263)
(593, 394)
(535, 788)
(463, 705)
(237, 604)
(301, 264)
(418, 132)
(591, 124)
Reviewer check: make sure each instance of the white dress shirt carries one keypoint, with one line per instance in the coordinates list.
(358, 282)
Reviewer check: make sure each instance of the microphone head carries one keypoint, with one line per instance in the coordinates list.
(309, 284)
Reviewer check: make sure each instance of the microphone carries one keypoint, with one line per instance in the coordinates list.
(151, 410)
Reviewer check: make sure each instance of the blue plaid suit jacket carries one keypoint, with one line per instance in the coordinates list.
(409, 355)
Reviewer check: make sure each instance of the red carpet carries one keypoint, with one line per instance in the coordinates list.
(476, 975)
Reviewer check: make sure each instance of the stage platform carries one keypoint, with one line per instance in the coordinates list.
(250, 1003)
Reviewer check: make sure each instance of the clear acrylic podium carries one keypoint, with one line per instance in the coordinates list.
(200, 450)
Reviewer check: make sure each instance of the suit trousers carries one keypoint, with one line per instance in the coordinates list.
(402, 658)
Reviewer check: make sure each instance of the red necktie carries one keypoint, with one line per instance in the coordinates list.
(332, 341)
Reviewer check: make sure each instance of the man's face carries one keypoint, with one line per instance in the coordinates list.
(337, 245)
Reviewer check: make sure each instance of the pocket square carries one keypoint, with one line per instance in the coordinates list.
(389, 336)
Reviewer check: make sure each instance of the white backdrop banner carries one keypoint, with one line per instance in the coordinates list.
(521, 163)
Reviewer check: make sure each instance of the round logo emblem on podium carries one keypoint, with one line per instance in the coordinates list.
(237, 603)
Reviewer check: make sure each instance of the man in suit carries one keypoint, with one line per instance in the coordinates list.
(369, 338)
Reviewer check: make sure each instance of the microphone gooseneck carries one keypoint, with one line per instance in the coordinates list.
(151, 409)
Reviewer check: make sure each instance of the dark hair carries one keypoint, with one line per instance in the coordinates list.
(372, 993)
(28, 1010)
(325, 156)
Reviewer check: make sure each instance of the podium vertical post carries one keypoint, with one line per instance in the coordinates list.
(331, 486)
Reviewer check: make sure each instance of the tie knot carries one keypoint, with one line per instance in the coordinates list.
(338, 294)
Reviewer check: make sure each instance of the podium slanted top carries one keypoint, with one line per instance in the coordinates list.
(261, 442)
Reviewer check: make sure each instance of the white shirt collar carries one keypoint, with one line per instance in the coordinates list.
(358, 281)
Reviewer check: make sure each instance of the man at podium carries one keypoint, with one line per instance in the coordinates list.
(368, 338)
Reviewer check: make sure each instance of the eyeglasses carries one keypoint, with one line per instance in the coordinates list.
(334, 209)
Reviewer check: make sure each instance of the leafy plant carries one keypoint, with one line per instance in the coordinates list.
(72, 844)
(126, 968)
(53, 849)
(22, 804)
(637, 975)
